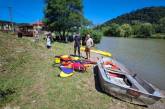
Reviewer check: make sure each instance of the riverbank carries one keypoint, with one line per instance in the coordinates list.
(153, 36)
(28, 79)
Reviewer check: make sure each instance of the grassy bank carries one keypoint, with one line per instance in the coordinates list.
(158, 36)
(28, 79)
(153, 36)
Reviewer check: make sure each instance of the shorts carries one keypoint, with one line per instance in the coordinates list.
(76, 46)
(48, 46)
(87, 49)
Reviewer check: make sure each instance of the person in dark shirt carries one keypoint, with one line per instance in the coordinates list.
(77, 43)
(19, 33)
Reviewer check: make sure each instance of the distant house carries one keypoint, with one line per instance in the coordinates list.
(25, 28)
(6, 25)
(38, 25)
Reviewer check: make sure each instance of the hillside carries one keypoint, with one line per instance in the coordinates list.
(148, 14)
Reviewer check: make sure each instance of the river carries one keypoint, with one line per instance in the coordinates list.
(146, 57)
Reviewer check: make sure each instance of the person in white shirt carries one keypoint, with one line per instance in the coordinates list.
(89, 44)
(36, 35)
(48, 41)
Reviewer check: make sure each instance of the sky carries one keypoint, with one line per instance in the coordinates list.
(97, 11)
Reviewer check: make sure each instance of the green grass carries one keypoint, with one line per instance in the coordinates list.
(29, 80)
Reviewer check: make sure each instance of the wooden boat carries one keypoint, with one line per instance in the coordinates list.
(118, 81)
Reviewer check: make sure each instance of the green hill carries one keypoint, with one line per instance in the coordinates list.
(148, 14)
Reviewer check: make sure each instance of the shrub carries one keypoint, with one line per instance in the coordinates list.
(95, 34)
(120, 32)
(162, 25)
(127, 29)
(145, 30)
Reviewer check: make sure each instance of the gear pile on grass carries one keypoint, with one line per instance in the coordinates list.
(69, 64)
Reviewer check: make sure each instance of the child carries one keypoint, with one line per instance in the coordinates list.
(48, 41)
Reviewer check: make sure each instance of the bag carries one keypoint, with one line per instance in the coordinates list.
(78, 67)
(57, 60)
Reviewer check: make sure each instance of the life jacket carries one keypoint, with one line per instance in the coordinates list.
(78, 66)
(113, 66)
(67, 64)
(57, 59)
(65, 58)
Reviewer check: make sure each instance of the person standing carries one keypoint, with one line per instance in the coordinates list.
(36, 35)
(48, 40)
(89, 44)
(77, 43)
(19, 33)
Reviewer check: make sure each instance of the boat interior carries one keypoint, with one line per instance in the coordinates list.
(128, 81)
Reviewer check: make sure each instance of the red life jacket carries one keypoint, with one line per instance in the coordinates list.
(78, 66)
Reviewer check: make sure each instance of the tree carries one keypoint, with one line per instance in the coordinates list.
(105, 30)
(63, 15)
(95, 34)
(162, 25)
(147, 14)
(127, 29)
(145, 30)
(120, 32)
(111, 29)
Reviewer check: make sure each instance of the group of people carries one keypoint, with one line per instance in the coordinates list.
(77, 43)
(88, 44)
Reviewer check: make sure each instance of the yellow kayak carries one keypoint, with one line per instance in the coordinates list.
(98, 51)
(65, 75)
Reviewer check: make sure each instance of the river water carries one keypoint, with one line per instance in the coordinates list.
(146, 57)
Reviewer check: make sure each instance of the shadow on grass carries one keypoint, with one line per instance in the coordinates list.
(7, 92)
(96, 77)
(99, 89)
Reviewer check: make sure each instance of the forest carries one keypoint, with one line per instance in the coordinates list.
(143, 23)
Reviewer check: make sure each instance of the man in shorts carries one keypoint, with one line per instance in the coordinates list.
(89, 44)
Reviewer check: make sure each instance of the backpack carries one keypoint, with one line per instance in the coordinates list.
(77, 66)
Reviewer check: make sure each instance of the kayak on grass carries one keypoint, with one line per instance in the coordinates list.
(98, 52)
(65, 75)
(70, 63)
(66, 72)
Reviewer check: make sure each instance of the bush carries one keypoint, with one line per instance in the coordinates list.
(145, 30)
(162, 25)
(105, 30)
(136, 28)
(127, 29)
(95, 34)
(124, 31)
(113, 29)
(120, 32)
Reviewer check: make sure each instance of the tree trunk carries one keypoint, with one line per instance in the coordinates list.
(60, 35)
(64, 37)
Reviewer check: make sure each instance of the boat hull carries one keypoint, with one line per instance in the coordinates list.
(123, 92)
